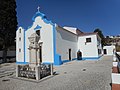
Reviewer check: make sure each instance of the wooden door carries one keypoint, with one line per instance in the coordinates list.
(69, 54)
(40, 54)
(105, 51)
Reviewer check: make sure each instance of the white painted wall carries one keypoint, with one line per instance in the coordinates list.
(99, 45)
(71, 29)
(20, 45)
(66, 40)
(115, 64)
(89, 49)
(46, 33)
(109, 49)
(115, 78)
(118, 53)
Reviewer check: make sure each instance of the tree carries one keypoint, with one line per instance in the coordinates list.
(8, 24)
(101, 36)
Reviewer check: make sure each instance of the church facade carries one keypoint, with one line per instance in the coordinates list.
(47, 42)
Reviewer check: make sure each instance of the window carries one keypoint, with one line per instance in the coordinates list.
(38, 32)
(88, 40)
(19, 30)
(19, 50)
(19, 38)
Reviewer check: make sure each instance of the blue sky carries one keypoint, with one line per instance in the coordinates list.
(87, 15)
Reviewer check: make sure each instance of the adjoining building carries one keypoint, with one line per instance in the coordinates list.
(109, 50)
(90, 45)
(47, 42)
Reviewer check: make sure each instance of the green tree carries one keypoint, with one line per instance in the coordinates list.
(101, 36)
(108, 40)
(8, 24)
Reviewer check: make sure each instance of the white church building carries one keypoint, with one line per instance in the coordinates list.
(47, 42)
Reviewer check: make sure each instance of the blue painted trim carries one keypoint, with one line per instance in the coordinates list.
(46, 21)
(65, 61)
(47, 63)
(90, 58)
(38, 14)
(44, 18)
(22, 63)
(57, 57)
(74, 59)
(37, 27)
(29, 27)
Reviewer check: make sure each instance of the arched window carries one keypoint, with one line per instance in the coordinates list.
(19, 38)
(19, 50)
(38, 32)
(20, 30)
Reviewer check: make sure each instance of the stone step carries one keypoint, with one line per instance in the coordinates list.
(115, 86)
(115, 70)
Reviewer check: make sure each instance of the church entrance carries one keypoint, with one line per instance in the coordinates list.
(70, 54)
(40, 53)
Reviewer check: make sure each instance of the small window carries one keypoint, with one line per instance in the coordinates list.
(88, 40)
(38, 32)
(20, 39)
(19, 50)
(19, 30)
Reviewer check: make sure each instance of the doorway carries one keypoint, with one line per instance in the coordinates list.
(70, 54)
(40, 53)
(105, 51)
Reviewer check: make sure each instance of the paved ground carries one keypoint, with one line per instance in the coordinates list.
(74, 75)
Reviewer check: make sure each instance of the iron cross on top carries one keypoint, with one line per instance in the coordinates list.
(38, 9)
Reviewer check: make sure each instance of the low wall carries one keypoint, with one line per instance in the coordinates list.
(9, 53)
(1, 53)
(118, 53)
(10, 56)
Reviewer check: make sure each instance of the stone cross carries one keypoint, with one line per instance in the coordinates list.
(38, 9)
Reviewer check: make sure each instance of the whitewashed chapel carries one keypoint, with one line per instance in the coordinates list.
(47, 42)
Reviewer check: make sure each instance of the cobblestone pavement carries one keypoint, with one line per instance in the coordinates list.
(74, 75)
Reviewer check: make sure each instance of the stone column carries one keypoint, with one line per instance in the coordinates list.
(38, 59)
(37, 72)
(17, 70)
(51, 68)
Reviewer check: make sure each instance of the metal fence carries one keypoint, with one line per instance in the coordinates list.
(118, 60)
